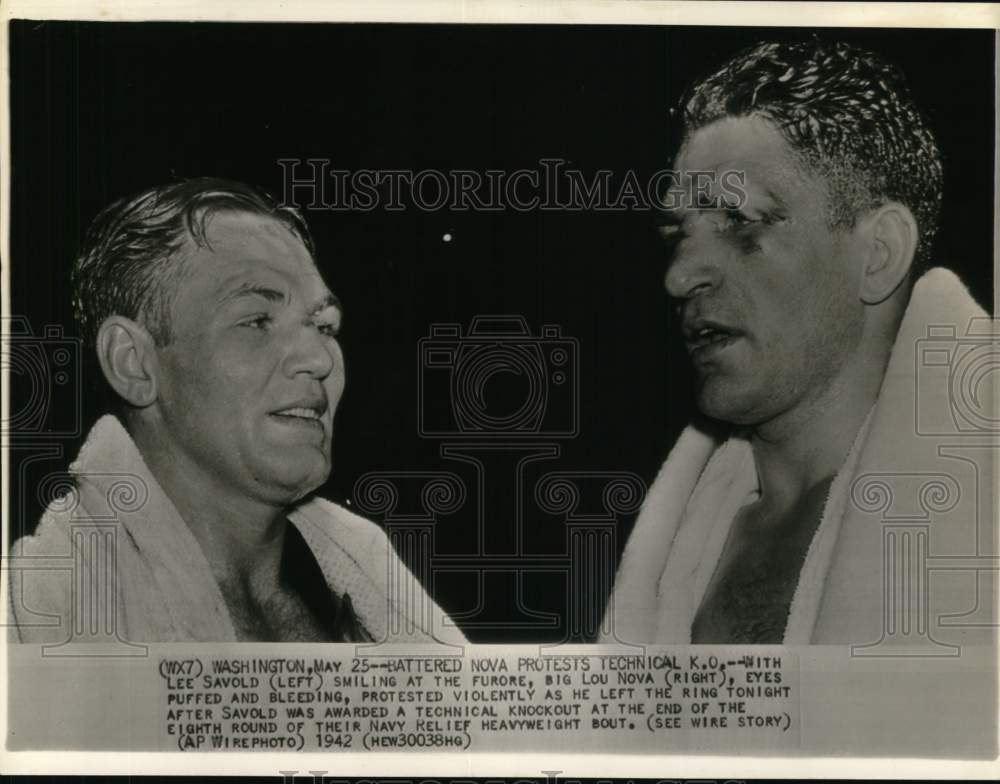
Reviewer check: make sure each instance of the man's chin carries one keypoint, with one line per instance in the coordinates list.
(295, 478)
(721, 401)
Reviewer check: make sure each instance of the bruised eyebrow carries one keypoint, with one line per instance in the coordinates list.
(775, 199)
(329, 301)
(670, 223)
(670, 229)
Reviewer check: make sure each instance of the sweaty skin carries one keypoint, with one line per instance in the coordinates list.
(242, 423)
(768, 295)
(750, 594)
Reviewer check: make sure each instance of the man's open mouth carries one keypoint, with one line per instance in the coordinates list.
(299, 413)
(704, 337)
(310, 415)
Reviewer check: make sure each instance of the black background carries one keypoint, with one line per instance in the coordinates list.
(101, 110)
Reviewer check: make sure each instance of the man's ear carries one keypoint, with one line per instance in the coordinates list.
(890, 237)
(127, 353)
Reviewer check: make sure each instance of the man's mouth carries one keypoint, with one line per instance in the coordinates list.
(705, 338)
(302, 414)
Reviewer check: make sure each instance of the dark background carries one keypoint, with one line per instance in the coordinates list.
(101, 110)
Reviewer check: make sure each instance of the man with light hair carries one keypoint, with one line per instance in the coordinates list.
(217, 333)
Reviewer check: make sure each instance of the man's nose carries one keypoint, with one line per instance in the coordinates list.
(311, 353)
(693, 270)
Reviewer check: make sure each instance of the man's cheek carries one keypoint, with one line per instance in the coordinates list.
(235, 368)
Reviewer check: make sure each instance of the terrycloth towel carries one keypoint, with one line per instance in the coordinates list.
(682, 528)
(165, 589)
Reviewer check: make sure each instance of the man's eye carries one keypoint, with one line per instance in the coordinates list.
(672, 234)
(260, 321)
(733, 219)
(329, 329)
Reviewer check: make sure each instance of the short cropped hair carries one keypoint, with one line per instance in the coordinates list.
(847, 115)
(130, 263)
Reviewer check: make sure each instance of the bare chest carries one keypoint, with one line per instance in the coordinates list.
(282, 616)
(750, 594)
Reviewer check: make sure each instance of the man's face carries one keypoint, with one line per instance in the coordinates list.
(248, 386)
(767, 293)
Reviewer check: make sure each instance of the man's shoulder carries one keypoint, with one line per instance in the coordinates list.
(51, 536)
(39, 591)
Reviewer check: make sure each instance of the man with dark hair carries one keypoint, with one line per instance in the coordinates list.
(801, 308)
(216, 331)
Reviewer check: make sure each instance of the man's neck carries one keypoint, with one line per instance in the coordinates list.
(241, 537)
(807, 445)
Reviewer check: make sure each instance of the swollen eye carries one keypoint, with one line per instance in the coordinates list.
(735, 218)
(328, 327)
(328, 319)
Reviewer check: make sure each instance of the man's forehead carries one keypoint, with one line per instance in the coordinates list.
(244, 251)
(244, 239)
(750, 146)
(228, 229)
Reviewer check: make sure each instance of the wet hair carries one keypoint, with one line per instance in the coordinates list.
(131, 261)
(847, 115)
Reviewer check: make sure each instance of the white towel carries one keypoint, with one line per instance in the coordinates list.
(165, 587)
(681, 530)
